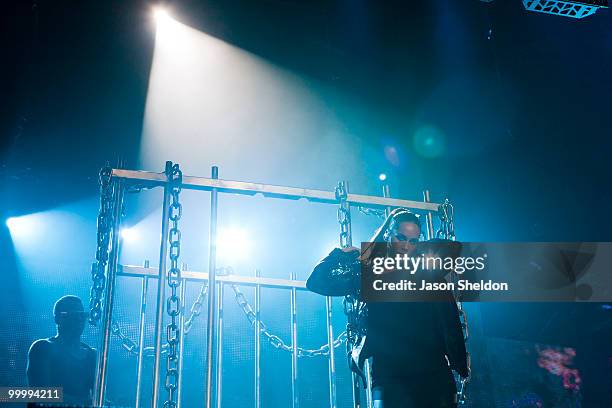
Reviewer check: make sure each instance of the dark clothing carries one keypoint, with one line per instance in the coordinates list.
(416, 337)
(409, 344)
(435, 389)
(52, 364)
(336, 275)
(413, 345)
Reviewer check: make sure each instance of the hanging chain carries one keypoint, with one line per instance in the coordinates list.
(127, 343)
(372, 211)
(446, 212)
(105, 222)
(356, 312)
(273, 339)
(344, 214)
(132, 347)
(196, 308)
(354, 309)
(173, 303)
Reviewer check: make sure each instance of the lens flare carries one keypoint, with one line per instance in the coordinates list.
(234, 244)
(129, 234)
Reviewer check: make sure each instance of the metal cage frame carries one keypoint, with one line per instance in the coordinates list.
(121, 180)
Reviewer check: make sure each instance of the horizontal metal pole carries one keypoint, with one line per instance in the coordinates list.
(267, 190)
(140, 271)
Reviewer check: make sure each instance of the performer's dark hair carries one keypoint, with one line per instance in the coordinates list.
(407, 216)
(395, 217)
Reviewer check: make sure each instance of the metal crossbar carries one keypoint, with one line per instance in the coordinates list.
(140, 271)
(151, 179)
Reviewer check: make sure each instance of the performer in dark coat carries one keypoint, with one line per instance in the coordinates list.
(413, 345)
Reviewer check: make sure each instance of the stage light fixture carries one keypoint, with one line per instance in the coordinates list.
(161, 15)
(566, 8)
(10, 222)
(20, 226)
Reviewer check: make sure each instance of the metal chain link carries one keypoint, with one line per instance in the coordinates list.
(275, 340)
(354, 309)
(130, 345)
(344, 215)
(372, 211)
(105, 222)
(196, 308)
(173, 303)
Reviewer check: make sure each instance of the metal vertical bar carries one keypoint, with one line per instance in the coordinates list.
(181, 343)
(212, 265)
(429, 216)
(161, 294)
(102, 365)
(257, 341)
(368, 374)
(220, 344)
(331, 360)
(366, 365)
(386, 194)
(343, 185)
(141, 334)
(295, 398)
(356, 391)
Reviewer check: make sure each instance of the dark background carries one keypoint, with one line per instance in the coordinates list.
(526, 117)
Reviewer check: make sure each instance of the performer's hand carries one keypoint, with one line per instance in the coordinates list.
(350, 249)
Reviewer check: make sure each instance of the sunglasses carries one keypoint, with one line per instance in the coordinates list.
(403, 238)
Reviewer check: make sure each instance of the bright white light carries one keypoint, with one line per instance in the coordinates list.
(382, 177)
(11, 223)
(233, 244)
(21, 227)
(129, 234)
(200, 85)
(161, 15)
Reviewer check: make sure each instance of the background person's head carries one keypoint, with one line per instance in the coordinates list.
(69, 316)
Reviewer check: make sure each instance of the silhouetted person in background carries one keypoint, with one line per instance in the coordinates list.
(413, 345)
(63, 360)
